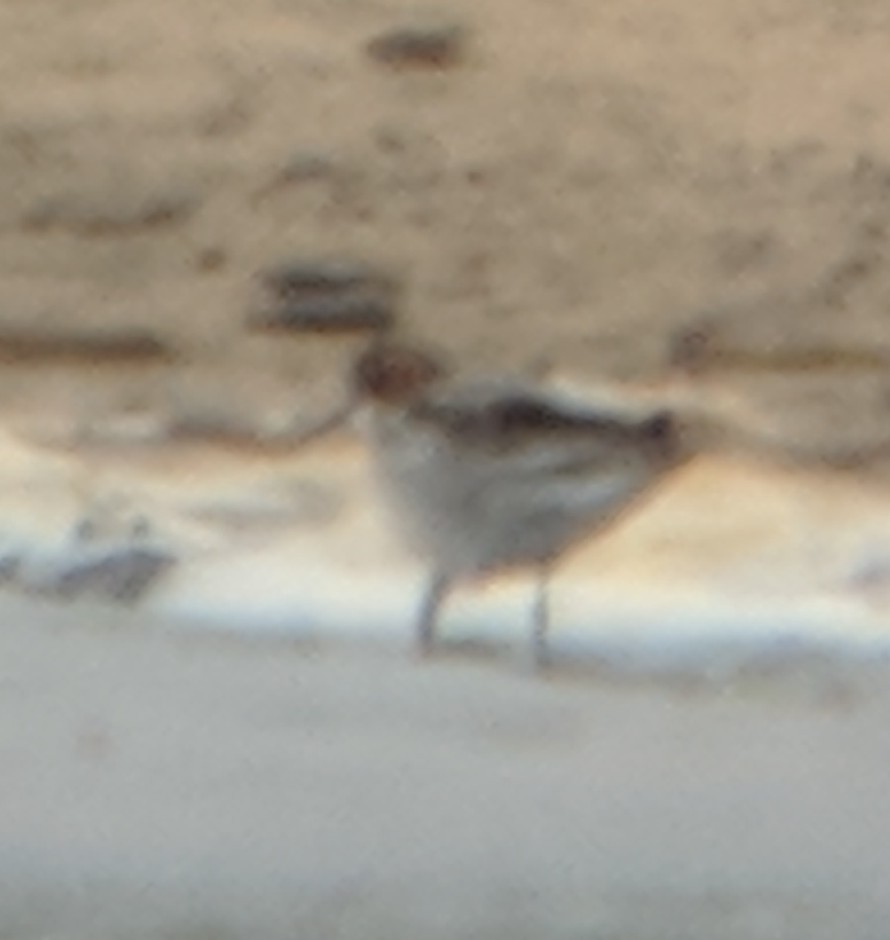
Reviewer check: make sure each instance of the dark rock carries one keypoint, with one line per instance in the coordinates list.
(120, 567)
(122, 573)
(432, 46)
(352, 312)
(131, 345)
(330, 296)
(296, 278)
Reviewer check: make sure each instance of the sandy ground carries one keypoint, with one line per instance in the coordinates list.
(582, 183)
(603, 189)
(166, 785)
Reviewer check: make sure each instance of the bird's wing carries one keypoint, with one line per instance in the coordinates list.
(509, 418)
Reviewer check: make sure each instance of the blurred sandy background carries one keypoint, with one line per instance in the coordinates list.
(593, 186)
(578, 183)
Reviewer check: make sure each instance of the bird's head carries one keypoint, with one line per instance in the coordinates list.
(393, 373)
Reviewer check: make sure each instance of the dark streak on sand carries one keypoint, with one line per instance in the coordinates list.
(125, 346)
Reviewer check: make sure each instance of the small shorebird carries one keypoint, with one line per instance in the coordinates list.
(489, 475)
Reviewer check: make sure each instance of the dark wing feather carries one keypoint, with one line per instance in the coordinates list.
(510, 416)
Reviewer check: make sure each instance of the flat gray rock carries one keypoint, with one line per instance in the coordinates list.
(324, 296)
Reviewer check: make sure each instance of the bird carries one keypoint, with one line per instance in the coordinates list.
(490, 474)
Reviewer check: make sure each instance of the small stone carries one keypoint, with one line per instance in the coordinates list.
(296, 278)
(122, 573)
(329, 296)
(432, 46)
(19, 344)
(132, 345)
(356, 312)
(97, 559)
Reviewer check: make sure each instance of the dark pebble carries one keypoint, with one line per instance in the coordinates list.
(431, 47)
(328, 296)
(21, 344)
(123, 574)
(299, 277)
(349, 313)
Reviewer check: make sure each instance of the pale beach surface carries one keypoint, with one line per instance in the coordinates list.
(157, 784)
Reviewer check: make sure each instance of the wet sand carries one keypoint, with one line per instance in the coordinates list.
(160, 784)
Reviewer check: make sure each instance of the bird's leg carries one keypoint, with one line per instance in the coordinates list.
(539, 654)
(436, 590)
